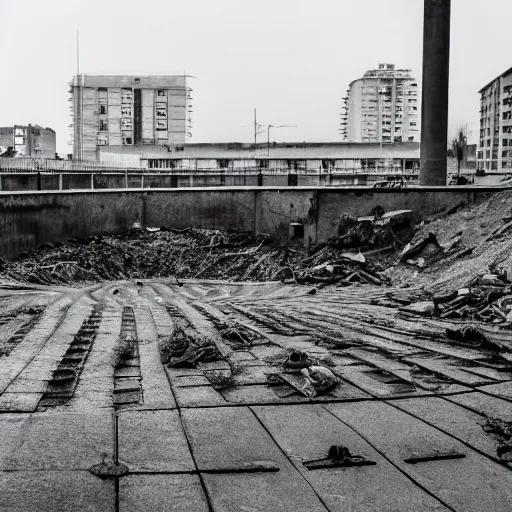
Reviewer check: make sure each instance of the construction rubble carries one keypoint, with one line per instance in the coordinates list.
(197, 253)
(454, 265)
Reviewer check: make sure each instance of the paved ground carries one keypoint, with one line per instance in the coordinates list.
(411, 402)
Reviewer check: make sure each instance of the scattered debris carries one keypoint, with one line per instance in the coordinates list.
(297, 360)
(503, 432)
(191, 253)
(182, 349)
(425, 308)
(318, 380)
(338, 457)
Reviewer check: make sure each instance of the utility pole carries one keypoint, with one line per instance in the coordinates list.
(434, 101)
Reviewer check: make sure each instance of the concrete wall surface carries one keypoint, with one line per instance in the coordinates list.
(28, 219)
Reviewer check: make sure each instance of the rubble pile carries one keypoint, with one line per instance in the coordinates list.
(454, 249)
(207, 254)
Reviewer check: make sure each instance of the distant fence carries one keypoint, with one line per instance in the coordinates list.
(111, 179)
(50, 165)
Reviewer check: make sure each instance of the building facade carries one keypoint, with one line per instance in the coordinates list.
(127, 111)
(382, 107)
(27, 141)
(495, 142)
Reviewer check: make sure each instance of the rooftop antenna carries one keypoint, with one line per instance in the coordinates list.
(79, 104)
(77, 54)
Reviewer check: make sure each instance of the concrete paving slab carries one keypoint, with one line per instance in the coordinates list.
(55, 491)
(229, 438)
(501, 390)
(27, 386)
(192, 380)
(153, 441)
(453, 419)
(306, 432)
(161, 493)
(19, 402)
(11, 426)
(448, 370)
(259, 394)
(471, 484)
(261, 492)
(489, 406)
(198, 396)
(63, 441)
(364, 377)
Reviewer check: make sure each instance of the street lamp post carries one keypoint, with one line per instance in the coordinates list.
(268, 134)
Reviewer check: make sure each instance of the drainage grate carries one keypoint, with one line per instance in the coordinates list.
(20, 334)
(127, 389)
(65, 378)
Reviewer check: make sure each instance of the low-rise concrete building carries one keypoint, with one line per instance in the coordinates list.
(319, 157)
(27, 141)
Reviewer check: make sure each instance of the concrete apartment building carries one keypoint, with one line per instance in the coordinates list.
(382, 106)
(28, 141)
(495, 143)
(127, 111)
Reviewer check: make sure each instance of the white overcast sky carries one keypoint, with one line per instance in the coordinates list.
(291, 59)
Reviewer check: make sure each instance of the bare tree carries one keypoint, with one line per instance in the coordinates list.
(459, 145)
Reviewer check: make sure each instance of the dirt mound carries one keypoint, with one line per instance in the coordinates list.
(472, 241)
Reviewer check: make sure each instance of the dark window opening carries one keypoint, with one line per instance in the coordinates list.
(296, 230)
(223, 163)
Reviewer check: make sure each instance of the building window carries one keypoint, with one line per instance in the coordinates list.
(488, 143)
(223, 163)
(494, 166)
(126, 124)
(103, 109)
(102, 139)
(413, 123)
(488, 154)
(505, 142)
(161, 124)
(507, 115)
(161, 110)
(411, 138)
(161, 135)
(161, 92)
(126, 95)
(480, 155)
(103, 126)
(126, 111)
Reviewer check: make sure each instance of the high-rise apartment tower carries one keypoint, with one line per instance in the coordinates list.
(382, 107)
(111, 110)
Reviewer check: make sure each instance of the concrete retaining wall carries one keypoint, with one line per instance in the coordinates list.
(28, 219)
